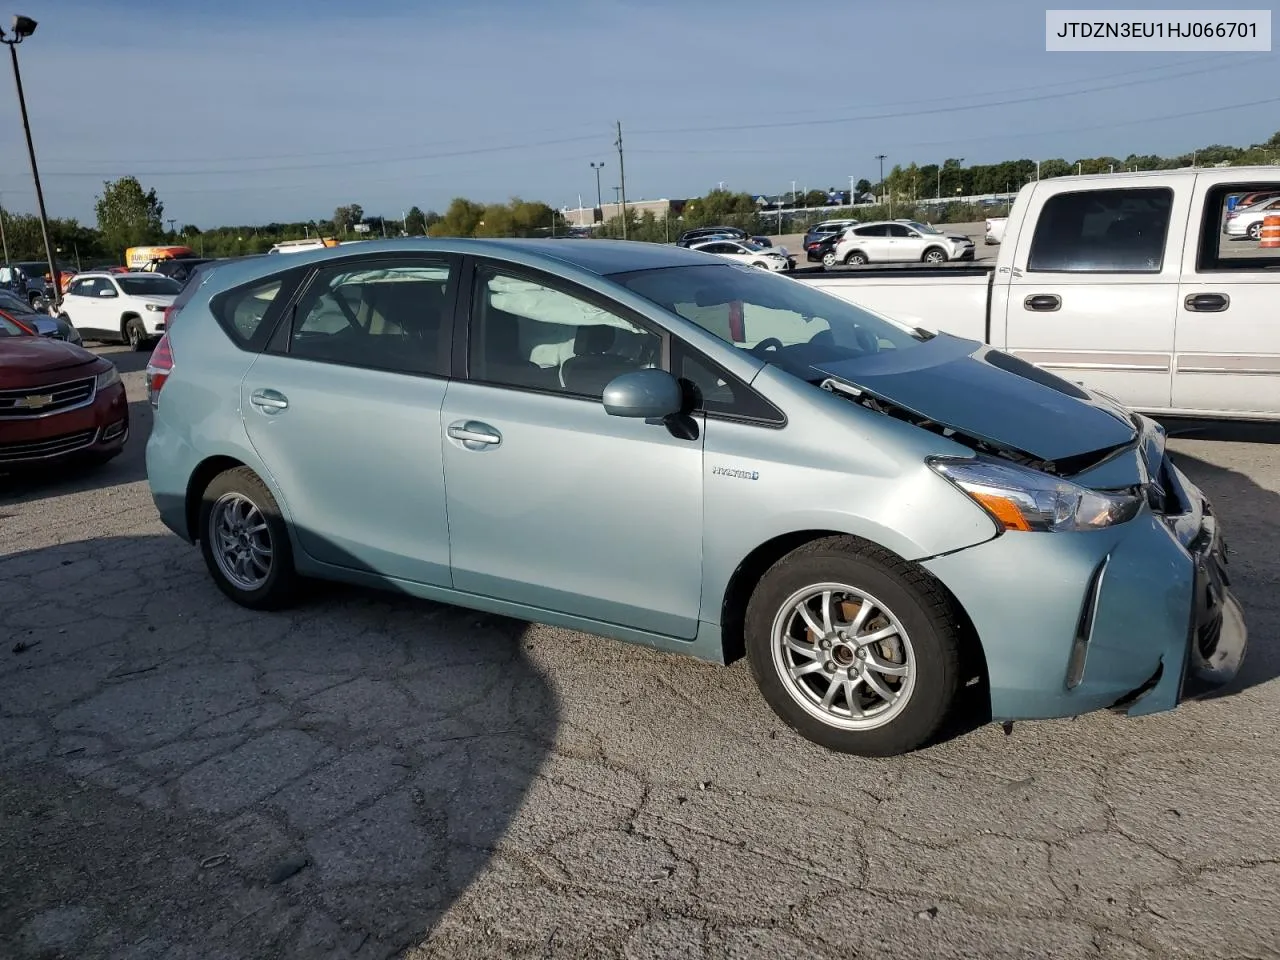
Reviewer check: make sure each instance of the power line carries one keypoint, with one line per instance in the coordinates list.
(775, 125)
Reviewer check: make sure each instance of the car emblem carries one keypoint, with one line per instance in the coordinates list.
(34, 401)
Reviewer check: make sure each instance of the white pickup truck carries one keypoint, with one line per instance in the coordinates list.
(1127, 283)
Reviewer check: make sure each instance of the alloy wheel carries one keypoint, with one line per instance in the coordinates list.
(241, 541)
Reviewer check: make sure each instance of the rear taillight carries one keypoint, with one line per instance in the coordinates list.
(159, 368)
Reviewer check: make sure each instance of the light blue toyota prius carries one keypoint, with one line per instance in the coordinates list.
(656, 445)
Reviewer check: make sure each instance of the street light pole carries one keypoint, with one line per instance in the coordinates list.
(597, 167)
(24, 27)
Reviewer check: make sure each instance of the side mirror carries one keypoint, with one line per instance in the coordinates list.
(108, 292)
(644, 395)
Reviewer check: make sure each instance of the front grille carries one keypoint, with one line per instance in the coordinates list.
(48, 447)
(28, 402)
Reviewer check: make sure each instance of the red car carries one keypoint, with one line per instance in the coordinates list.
(58, 402)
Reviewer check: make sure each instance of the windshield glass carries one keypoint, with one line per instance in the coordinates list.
(777, 319)
(923, 227)
(10, 329)
(149, 286)
(13, 304)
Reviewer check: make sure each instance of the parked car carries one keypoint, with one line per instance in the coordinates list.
(643, 442)
(823, 251)
(1247, 221)
(1120, 281)
(58, 402)
(26, 278)
(178, 269)
(748, 253)
(20, 312)
(690, 237)
(120, 307)
(827, 228)
(899, 241)
(995, 229)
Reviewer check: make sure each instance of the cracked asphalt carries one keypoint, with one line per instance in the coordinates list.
(375, 776)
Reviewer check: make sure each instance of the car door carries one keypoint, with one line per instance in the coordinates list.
(553, 503)
(872, 240)
(84, 308)
(343, 408)
(1227, 341)
(1093, 287)
(904, 243)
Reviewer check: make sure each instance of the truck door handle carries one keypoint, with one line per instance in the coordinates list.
(269, 401)
(474, 435)
(1043, 302)
(1207, 302)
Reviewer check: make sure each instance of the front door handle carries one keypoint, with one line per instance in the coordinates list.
(1207, 302)
(269, 401)
(474, 435)
(1043, 302)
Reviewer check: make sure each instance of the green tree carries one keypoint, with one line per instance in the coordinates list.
(863, 186)
(459, 220)
(415, 222)
(344, 218)
(128, 216)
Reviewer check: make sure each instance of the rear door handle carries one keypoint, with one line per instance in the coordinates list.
(269, 401)
(1043, 302)
(1207, 302)
(474, 434)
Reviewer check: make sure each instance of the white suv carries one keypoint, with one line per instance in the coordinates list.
(120, 307)
(898, 241)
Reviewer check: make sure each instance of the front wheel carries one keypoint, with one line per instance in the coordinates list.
(135, 334)
(1255, 231)
(934, 255)
(760, 265)
(245, 542)
(854, 648)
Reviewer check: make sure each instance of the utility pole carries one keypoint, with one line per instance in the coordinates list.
(851, 195)
(4, 239)
(597, 167)
(171, 222)
(880, 157)
(622, 181)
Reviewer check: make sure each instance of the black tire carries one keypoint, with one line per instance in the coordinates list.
(916, 599)
(935, 255)
(135, 334)
(280, 587)
(760, 265)
(1255, 231)
(855, 258)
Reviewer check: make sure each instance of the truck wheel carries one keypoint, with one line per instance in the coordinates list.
(855, 259)
(935, 255)
(854, 648)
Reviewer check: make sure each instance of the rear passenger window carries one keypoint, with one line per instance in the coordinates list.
(382, 316)
(242, 311)
(1102, 231)
(1235, 233)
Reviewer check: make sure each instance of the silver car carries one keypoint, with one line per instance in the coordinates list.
(657, 445)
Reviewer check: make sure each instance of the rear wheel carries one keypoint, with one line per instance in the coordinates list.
(855, 259)
(935, 255)
(854, 648)
(829, 259)
(245, 542)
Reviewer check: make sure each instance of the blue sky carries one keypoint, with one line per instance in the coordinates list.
(240, 112)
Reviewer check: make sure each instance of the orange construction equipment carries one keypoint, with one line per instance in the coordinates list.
(1270, 235)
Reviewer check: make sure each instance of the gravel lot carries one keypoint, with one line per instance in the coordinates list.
(373, 776)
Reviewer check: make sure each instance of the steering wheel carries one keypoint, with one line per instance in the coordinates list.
(768, 343)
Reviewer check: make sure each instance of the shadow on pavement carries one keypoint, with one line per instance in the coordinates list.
(1250, 520)
(181, 777)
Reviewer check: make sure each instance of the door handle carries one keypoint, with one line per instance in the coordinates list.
(269, 401)
(1207, 302)
(1043, 302)
(474, 435)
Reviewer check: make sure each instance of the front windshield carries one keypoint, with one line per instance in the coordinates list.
(149, 286)
(776, 319)
(923, 227)
(13, 304)
(751, 245)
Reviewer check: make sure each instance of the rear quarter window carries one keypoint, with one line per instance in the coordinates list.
(249, 313)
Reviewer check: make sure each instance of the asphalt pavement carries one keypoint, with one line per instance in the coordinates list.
(375, 776)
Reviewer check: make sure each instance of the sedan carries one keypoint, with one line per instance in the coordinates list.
(1247, 221)
(647, 443)
(58, 402)
(20, 312)
(748, 253)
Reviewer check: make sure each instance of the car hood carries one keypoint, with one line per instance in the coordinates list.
(991, 396)
(20, 357)
(160, 299)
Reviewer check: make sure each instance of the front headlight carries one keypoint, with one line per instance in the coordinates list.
(108, 377)
(155, 307)
(1019, 498)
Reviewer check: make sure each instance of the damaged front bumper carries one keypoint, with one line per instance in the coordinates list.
(1136, 618)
